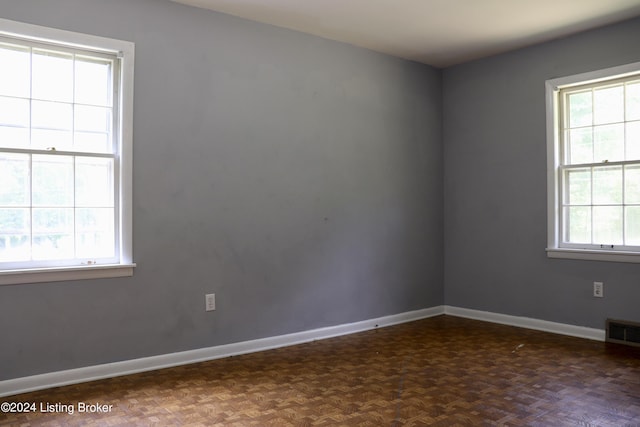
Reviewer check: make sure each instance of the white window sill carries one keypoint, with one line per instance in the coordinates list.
(58, 274)
(593, 255)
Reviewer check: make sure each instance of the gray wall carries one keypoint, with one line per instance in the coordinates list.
(297, 178)
(495, 187)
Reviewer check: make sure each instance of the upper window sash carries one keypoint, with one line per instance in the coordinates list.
(74, 87)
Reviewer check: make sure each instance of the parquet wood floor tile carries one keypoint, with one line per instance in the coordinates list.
(442, 371)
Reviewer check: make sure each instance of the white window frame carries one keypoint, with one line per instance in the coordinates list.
(125, 55)
(554, 162)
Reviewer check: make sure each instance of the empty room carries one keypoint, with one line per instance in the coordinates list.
(314, 213)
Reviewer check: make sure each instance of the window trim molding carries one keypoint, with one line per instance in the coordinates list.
(125, 53)
(60, 274)
(552, 90)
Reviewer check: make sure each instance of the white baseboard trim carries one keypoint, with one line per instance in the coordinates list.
(529, 323)
(109, 370)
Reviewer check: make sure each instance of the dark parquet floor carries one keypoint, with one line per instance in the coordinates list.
(442, 371)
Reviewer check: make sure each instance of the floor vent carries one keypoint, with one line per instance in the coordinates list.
(623, 332)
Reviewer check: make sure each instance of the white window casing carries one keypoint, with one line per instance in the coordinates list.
(49, 140)
(593, 165)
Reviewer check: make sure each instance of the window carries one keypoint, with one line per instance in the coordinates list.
(65, 155)
(593, 122)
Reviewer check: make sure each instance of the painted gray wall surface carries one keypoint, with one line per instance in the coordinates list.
(495, 186)
(297, 178)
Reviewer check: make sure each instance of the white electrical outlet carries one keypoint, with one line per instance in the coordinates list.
(210, 302)
(598, 289)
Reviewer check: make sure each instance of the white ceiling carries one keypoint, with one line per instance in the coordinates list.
(435, 32)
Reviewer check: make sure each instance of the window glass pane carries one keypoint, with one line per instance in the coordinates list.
(94, 182)
(52, 115)
(93, 81)
(58, 201)
(53, 233)
(52, 180)
(52, 122)
(578, 224)
(93, 142)
(579, 187)
(581, 146)
(93, 119)
(632, 226)
(632, 184)
(59, 139)
(15, 70)
(12, 137)
(600, 126)
(633, 101)
(608, 143)
(52, 75)
(15, 240)
(633, 141)
(608, 105)
(14, 112)
(95, 232)
(14, 179)
(580, 109)
(607, 225)
(607, 185)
